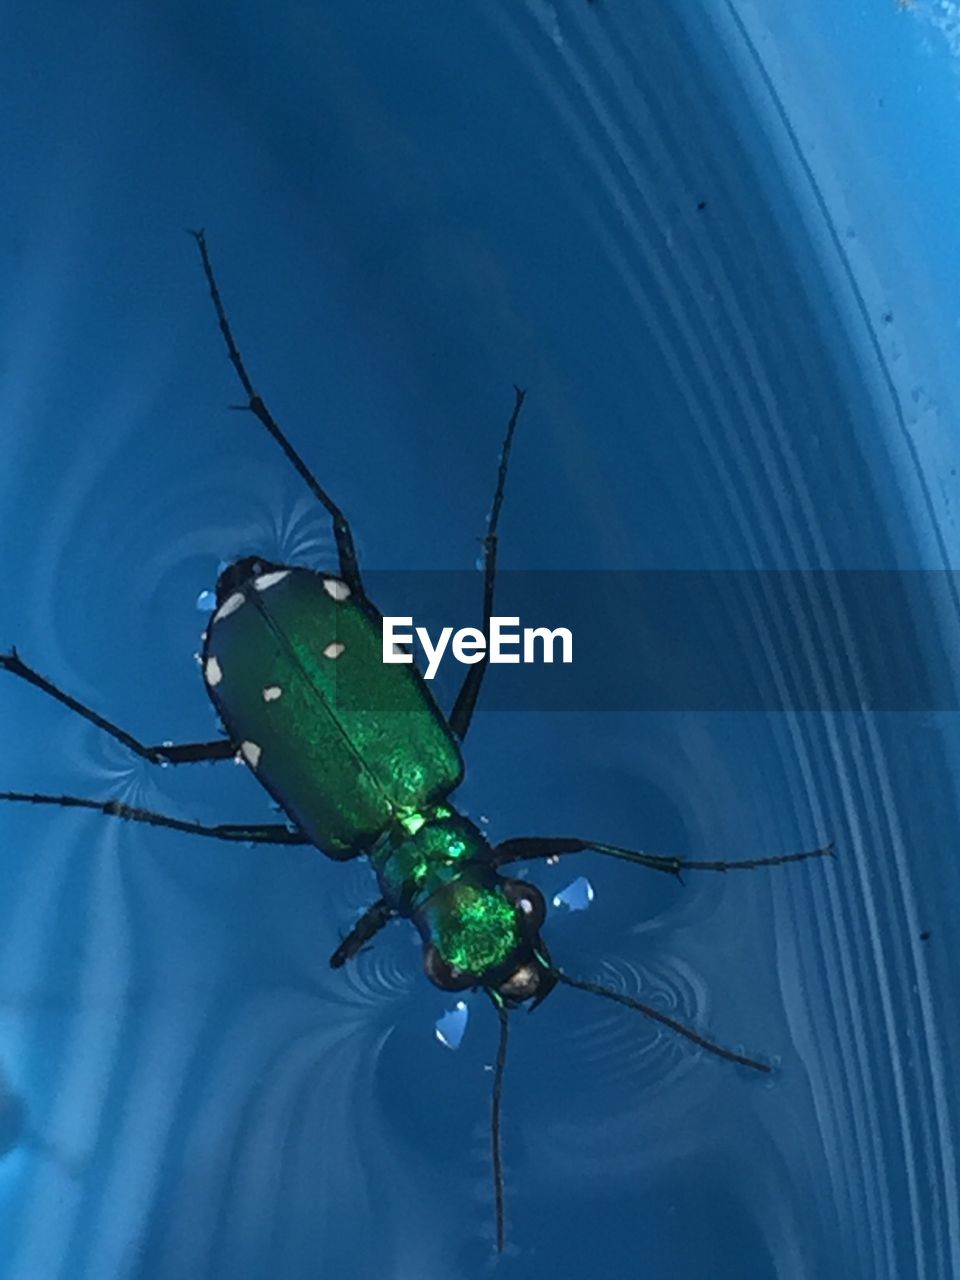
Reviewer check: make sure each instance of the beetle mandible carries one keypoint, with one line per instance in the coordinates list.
(362, 761)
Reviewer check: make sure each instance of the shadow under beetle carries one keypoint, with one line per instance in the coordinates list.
(362, 761)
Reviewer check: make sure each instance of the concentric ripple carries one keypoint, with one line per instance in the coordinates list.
(630, 211)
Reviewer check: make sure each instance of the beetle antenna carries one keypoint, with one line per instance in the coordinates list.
(594, 988)
(495, 1115)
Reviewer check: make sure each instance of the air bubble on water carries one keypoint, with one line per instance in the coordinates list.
(484, 819)
(450, 1026)
(577, 896)
(207, 601)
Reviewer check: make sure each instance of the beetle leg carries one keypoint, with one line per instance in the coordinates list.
(185, 753)
(463, 708)
(369, 924)
(194, 752)
(553, 847)
(235, 832)
(349, 568)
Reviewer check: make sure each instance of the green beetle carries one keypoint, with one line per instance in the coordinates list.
(359, 757)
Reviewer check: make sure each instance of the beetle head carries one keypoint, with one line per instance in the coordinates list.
(488, 935)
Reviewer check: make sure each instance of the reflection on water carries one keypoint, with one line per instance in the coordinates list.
(451, 1026)
(410, 215)
(577, 896)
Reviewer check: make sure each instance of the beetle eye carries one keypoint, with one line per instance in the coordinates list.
(528, 900)
(443, 975)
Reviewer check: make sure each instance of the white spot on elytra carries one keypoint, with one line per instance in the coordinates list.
(230, 605)
(334, 649)
(272, 693)
(212, 672)
(526, 906)
(251, 753)
(268, 580)
(336, 589)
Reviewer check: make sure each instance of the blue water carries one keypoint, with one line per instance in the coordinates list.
(413, 207)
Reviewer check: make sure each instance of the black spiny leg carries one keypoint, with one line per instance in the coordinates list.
(236, 832)
(463, 708)
(185, 753)
(349, 568)
(555, 847)
(369, 924)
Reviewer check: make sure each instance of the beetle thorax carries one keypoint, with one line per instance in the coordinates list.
(424, 853)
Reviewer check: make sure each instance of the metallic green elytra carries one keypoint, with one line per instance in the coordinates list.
(347, 745)
(361, 760)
